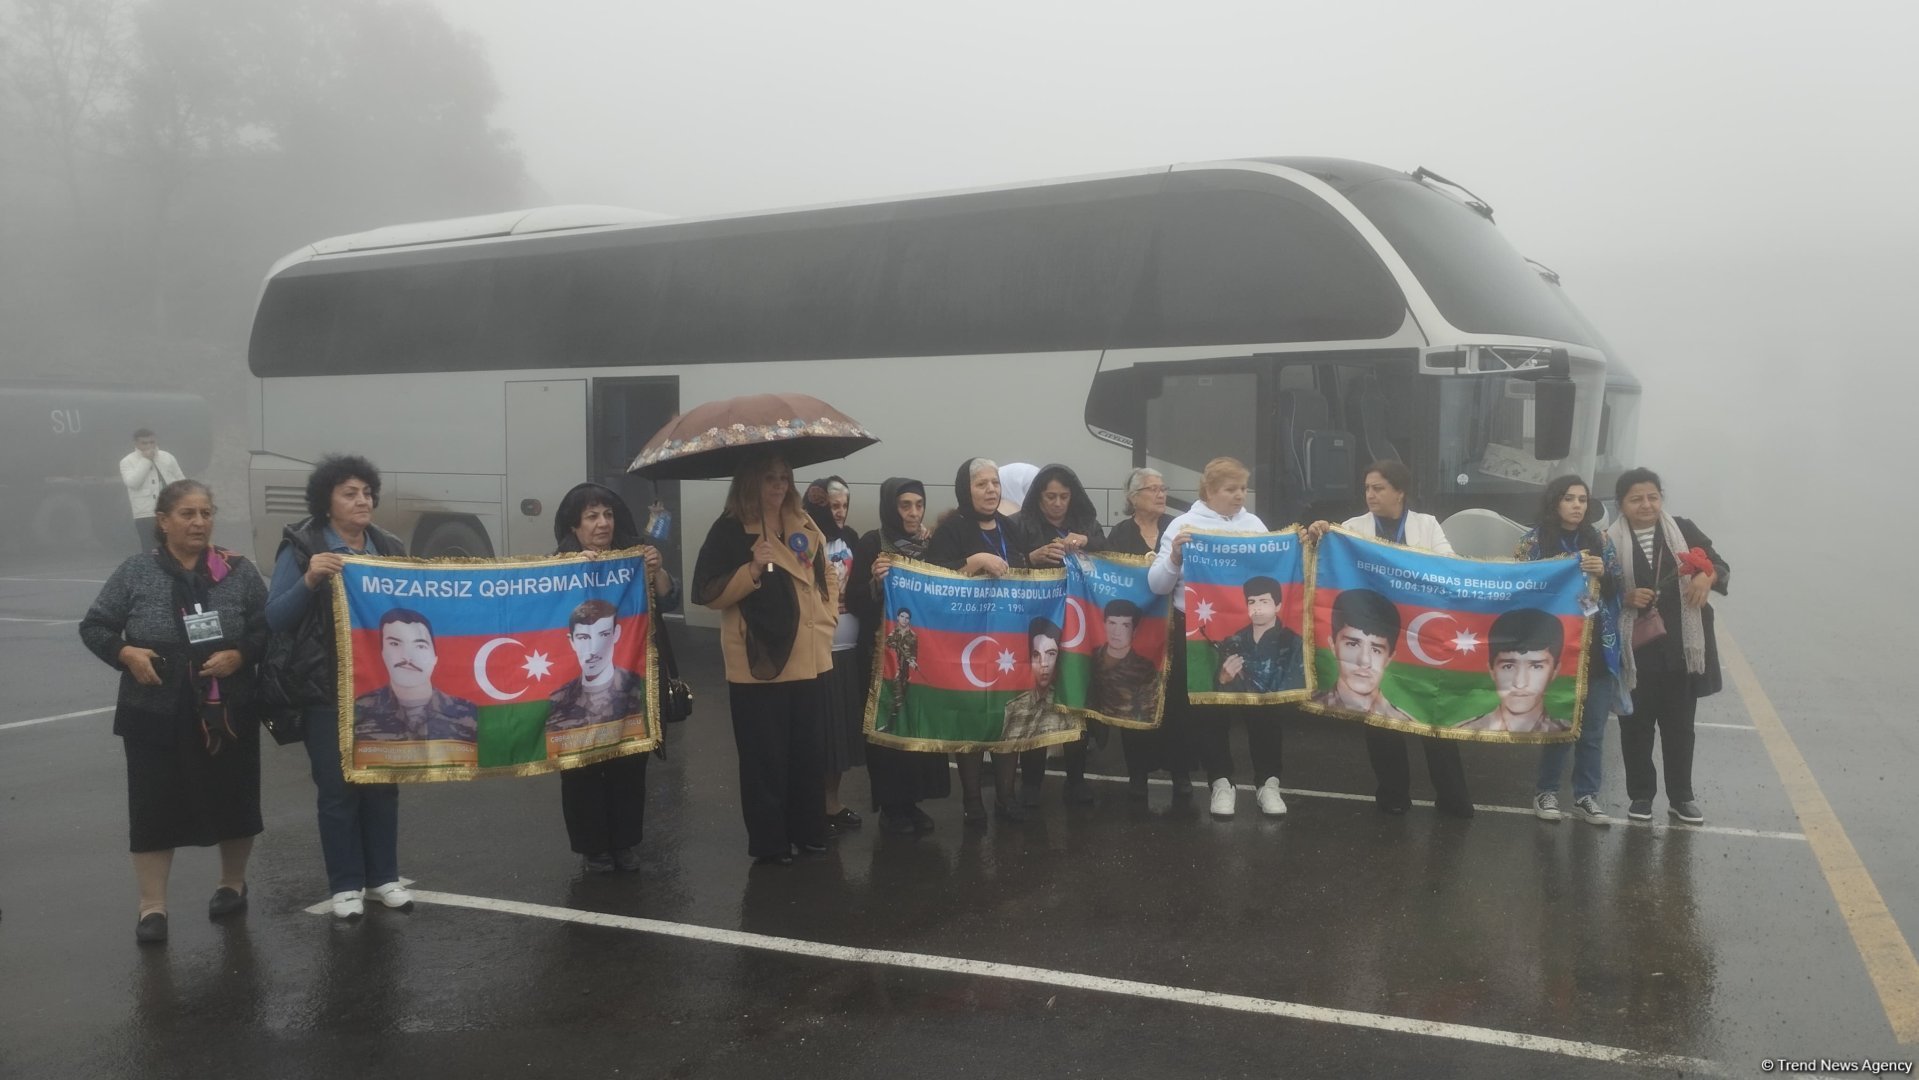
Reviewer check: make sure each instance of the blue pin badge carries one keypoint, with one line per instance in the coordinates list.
(797, 542)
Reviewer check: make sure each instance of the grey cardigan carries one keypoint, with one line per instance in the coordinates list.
(136, 607)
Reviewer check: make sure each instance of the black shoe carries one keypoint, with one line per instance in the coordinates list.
(599, 864)
(813, 849)
(226, 902)
(1007, 810)
(1029, 795)
(1136, 789)
(1687, 812)
(845, 819)
(1079, 793)
(1182, 787)
(973, 812)
(627, 858)
(898, 824)
(785, 858)
(152, 929)
(1396, 809)
(1640, 810)
(1455, 810)
(922, 820)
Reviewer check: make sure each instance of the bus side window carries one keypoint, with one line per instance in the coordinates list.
(1197, 418)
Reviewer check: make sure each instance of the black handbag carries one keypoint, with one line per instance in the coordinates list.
(279, 713)
(676, 698)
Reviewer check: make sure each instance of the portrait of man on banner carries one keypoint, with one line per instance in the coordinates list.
(1031, 714)
(1365, 634)
(604, 692)
(1246, 618)
(408, 708)
(1126, 685)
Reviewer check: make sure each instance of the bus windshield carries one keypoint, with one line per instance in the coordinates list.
(1486, 436)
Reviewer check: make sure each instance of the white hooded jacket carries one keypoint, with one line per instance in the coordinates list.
(1162, 577)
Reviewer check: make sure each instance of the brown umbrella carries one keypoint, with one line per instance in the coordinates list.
(714, 439)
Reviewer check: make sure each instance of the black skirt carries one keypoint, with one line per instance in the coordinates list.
(845, 727)
(178, 795)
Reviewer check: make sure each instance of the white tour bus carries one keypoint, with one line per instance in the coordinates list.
(1304, 315)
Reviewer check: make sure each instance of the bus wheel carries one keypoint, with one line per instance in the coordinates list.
(456, 540)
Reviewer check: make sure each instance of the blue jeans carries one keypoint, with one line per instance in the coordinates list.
(1602, 694)
(359, 823)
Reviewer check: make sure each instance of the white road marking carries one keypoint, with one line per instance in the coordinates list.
(1070, 980)
(1727, 727)
(51, 719)
(1721, 830)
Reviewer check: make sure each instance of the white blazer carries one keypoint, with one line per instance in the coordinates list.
(1422, 531)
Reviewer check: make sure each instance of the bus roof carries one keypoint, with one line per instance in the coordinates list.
(1229, 253)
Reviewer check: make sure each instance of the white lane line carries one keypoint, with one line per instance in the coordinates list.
(42, 622)
(1726, 727)
(1070, 980)
(51, 719)
(1525, 811)
(58, 580)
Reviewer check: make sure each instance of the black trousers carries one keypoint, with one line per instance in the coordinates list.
(1264, 739)
(1663, 701)
(1032, 764)
(605, 804)
(1387, 749)
(776, 727)
(1176, 744)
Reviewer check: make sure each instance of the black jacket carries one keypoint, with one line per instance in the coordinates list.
(959, 538)
(302, 665)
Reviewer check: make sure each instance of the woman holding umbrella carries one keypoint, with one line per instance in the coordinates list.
(763, 567)
(979, 540)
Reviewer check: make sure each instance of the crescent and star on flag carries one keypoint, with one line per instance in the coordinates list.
(1003, 664)
(1464, 643)
(536, 665)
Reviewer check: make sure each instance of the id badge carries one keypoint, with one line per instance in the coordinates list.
(1587, 605)
(202, 627)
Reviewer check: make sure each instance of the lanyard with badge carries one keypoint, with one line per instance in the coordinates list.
(202, 625)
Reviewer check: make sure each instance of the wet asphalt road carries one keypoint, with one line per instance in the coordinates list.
(1711, 944)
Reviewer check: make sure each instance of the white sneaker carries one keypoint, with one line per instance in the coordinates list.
(1589, 808)
(1270, 802)
(1225, 796)
(394, 895)
(350, 904)
(1546, 806)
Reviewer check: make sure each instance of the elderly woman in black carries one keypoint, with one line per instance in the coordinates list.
(604, 804)
(901, 779)
(1058, 519)
(978, 540)
(185, 625)
(1670, 665)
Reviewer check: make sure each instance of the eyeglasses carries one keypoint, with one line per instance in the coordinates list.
(1156, 489)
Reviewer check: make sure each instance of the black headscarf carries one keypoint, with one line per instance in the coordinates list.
(1081, 515)
(822, 514)
(963, 492)
(626, 529)
(893, 536)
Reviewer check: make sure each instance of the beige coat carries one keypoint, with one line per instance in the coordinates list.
(812, 654)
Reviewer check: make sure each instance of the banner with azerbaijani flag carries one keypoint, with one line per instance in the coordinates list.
(1246, 618)
(459, 669)
(1483, 649)
(969, 663)
(1112, 660)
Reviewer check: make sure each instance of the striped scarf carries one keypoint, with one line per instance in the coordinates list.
(1692, 625)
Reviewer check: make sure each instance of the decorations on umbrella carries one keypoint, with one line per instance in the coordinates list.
(712, 440)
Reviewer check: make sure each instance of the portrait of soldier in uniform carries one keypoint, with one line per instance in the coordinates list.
(1523, 647)
(1365, 635)
(1125, 684)
(1263, 656)
(604, 692)
(906, 656)
(1032, 714)
(408, 708)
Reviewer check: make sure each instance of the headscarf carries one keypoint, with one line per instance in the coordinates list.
(893, 537)
(1015, 481)
(626, 529)
(1081, 515)
(822, 513)
(963, 491)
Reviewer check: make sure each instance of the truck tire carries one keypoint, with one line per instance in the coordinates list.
(62, 522)
(454, 539)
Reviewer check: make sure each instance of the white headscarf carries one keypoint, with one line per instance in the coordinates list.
(1014, 479)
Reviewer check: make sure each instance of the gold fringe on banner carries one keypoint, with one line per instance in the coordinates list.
(432, 773)
(1277, 697)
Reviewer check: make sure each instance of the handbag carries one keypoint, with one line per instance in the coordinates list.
(676, 698)
(1649, 625)
(279, 713)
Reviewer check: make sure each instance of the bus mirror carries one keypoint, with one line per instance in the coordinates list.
(1553, 401)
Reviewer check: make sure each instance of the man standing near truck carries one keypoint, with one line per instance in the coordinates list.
(145, 472)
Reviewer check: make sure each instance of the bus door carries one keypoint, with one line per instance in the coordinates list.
(545, 455)
(627, 411)
(1331, 415)
(1196, 411)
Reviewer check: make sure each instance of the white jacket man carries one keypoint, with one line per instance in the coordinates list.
(145, 472)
